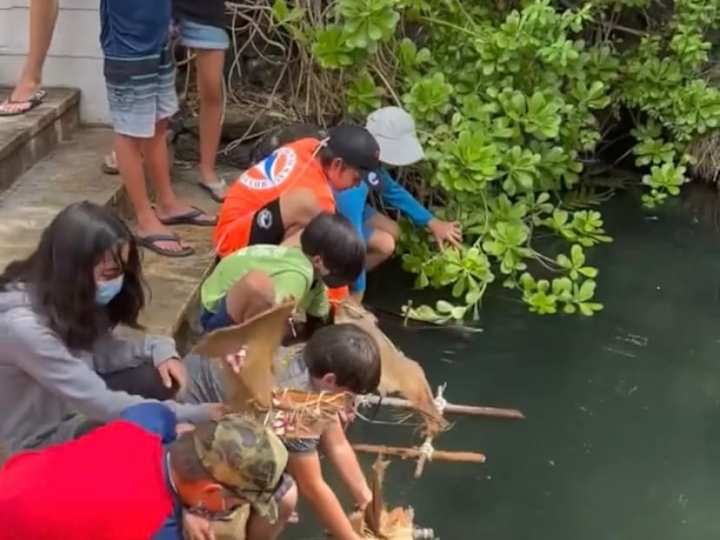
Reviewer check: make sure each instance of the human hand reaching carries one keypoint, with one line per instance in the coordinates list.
(171, 370)
(217, 411)
(237, 360)
(363, 498)
(196, 527)
(445, 232)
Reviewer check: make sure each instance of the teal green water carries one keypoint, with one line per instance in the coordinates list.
(622, 437)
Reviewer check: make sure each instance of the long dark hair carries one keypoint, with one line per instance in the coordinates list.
(59, 274)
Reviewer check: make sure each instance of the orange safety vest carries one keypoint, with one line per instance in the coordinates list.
(293, 166)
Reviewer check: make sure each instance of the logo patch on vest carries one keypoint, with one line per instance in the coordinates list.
(264, 219)
(271, 172)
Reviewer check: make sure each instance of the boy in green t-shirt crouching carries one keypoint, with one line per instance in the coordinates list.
(253, 279)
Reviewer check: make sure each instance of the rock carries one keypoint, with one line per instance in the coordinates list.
(284, 135)
(241, 121)
(237, 155)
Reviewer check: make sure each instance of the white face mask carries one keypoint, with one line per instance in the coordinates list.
(105, 291)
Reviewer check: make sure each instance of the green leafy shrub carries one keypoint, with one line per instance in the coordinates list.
(509, 98)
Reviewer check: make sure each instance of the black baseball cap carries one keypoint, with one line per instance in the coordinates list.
(356, 146)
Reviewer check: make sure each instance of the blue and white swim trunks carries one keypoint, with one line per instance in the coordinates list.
(141, 92)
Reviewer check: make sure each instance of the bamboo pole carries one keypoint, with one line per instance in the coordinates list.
(451, 408)
(414, 453)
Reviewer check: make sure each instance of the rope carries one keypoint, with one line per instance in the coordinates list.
(427, 449)
(440, 401)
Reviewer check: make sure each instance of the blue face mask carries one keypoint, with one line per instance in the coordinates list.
(105, 291)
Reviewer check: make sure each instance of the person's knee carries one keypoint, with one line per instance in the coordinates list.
(143, 380)
(393, 229)
(382, 243)
(259, 528)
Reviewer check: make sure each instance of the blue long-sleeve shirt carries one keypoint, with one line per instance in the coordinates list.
(352, 203)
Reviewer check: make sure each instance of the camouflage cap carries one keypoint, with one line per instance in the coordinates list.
(246, 458)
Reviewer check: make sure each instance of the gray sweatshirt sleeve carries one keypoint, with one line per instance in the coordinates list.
(112, 353)
(46, 359)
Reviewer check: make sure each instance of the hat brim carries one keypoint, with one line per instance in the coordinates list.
(400, 152)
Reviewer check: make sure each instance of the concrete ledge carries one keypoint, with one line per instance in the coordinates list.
(27, 138)
(174, 283)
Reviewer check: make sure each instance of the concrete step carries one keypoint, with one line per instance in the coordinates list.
(27, 138)
(72, 173)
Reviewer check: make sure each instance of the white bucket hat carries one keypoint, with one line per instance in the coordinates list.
(394, 130)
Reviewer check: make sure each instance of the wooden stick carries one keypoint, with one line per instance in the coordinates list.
(451, 408)
(414, 453)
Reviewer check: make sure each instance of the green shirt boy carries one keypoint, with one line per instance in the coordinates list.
(289, 269)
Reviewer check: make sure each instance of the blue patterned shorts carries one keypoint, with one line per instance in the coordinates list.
(141, 92)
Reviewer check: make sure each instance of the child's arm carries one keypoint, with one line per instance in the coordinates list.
(338, 450)
(305, 469)
(396, 196)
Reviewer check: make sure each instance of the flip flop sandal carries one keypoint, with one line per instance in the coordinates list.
(216, 190)
(150, 242)
(109, 164)
(193, 217)
(32, 102)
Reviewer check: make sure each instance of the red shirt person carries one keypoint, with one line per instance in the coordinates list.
(121, 483)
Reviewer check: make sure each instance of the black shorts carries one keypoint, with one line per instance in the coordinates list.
(267, 225)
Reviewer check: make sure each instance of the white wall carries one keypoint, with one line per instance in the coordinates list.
(75, 58)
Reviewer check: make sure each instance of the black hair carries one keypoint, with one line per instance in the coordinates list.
(327, 155)
(59, 274)
(184, 459)
(348, 352)
(333, 238)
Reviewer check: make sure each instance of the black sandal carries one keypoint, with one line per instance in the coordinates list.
(150, 242)
(193, 217)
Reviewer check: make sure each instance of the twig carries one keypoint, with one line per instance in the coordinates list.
(387, 85)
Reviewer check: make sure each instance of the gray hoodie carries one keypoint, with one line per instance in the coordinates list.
(42, 382)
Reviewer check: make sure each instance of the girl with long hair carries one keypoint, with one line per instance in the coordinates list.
(62, 367)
